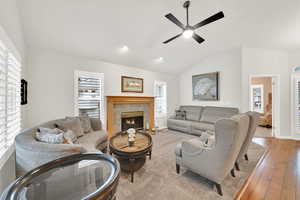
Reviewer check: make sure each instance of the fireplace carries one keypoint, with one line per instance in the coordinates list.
(132, 120)
(116, 105)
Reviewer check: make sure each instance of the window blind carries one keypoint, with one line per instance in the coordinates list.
(10, 108)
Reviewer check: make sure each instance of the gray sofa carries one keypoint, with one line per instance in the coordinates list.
(215, 162)
(200, 118)
(31, 153)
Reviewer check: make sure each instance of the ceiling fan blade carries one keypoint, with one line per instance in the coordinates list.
(198, 38)
(173, 38)
(173, 19)
(211, 19)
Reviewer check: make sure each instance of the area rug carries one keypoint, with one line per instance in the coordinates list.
(158, 179)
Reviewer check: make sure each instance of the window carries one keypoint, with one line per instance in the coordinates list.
(257, 98)
(160, 92)
(10, 100)
(89, 95)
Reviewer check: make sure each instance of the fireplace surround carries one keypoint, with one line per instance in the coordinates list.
(118, 104)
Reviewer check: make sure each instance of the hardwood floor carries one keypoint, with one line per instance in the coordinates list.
(277, 177)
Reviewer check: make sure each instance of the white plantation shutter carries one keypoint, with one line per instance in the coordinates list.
(297, 105)
(89, 94)
(10, 108)
(3, 61)
(13, 99)
(160, 92)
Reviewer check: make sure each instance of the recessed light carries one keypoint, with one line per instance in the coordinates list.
(159, 60)
(124, 49)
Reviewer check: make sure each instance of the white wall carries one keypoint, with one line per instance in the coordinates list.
(11, 34)
(235, 67)
(10, 22)
(50, 78)
(229, 65)
(263, 62)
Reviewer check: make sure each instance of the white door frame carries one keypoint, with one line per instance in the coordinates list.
(275, 100)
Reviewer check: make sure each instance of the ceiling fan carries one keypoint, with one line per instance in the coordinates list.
(188, 31)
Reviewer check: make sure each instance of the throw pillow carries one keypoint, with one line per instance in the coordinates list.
(180, 114)
(84, 121)
(50, 137)
(70, 137)
(71, 124)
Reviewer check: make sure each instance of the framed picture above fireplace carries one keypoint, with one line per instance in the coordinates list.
(132, 84)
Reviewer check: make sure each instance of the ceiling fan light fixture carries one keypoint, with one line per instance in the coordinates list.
(188, 33)
(188, 30)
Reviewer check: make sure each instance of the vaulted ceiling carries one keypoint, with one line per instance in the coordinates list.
(97, 28)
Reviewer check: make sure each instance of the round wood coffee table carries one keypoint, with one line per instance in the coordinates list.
(131, 158)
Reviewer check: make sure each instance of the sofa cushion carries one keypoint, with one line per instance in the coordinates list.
(213, 114)
(96, 124)
(179, 125)
(193, 113)
(85, 122)
(90, 141)
(73, 124)
(204, 126)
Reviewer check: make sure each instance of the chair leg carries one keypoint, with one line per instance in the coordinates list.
(237, 167)
(246, 157)
(232, 173)
(177, 168)
(219, 189)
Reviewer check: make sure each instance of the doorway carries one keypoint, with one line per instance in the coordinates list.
(264, 99)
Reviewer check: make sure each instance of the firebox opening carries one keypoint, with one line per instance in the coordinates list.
(132, 120)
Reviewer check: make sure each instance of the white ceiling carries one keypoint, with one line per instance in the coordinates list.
(97, 28)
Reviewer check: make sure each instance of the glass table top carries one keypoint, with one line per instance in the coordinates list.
(69, 180)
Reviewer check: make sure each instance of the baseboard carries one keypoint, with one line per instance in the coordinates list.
(288, 138)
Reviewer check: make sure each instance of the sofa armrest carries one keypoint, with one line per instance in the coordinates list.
(96, 124)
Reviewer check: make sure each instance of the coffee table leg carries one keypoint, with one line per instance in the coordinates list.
(150, 154)
(132, 169)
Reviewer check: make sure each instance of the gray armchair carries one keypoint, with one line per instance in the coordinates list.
(214, 162)
(253, 123)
